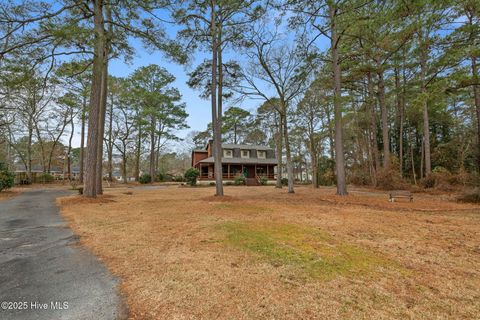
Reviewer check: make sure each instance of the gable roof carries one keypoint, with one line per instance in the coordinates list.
(244, 146)
(241, 160)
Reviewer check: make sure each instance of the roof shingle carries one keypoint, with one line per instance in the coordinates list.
(241, 161)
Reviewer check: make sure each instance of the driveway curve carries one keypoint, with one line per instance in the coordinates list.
(44, 274)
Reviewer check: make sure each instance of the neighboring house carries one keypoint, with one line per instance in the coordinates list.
(75, 173)
(37, 172)
(251, 161)
(21, 173)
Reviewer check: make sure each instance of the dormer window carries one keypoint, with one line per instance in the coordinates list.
(227, 153)
(245, 153)
(261, 154)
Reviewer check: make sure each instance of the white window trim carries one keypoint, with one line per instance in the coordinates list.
(243, 156)
(262, 153)
(228, 153)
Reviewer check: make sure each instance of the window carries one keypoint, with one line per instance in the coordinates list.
(227, 153)
(261, 154)
(245, 153)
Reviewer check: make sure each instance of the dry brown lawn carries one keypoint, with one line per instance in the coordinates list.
(9, 193)
(261, 253)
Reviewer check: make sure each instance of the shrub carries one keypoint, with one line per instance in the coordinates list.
(284, 181)
(472, 196)
(179, 178)
(191, 176)
(45, 177)
(442, 179)
(74, 184)
(145, 178)
(326, 173)
(327, 178)
(229, 183)
(164, 177)
(211, 184)
(360, 178)
(239, 180)
(7, 177)
(428, 182)
(263, 181)
(390, 180)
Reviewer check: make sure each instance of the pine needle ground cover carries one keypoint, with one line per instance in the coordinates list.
(261, 253)
(10, 193)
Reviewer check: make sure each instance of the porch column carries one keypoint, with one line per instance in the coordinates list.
(267, 172)
(255, 170)
(228, 171)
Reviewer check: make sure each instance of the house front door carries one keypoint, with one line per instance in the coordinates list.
(251, 172)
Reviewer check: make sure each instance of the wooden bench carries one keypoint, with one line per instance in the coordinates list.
(400, 194)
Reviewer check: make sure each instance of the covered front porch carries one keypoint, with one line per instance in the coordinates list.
(230, 171)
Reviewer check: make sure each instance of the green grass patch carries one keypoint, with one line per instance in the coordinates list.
(308, 250)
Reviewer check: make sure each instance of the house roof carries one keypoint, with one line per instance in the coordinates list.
(241, 161)
(236, 146)
(39, 169)
(244, 146)
(35, 168)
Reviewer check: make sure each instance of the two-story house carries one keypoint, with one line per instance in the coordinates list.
(251, 161)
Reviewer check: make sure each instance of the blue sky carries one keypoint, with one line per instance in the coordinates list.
(199, 110)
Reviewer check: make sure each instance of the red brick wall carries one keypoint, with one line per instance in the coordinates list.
(198, 156)
(209, 149)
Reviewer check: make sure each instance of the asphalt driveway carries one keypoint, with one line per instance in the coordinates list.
(43, 273)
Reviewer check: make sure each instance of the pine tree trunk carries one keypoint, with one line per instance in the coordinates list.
(137, 155)
(217, 136)
(315, 171)
(103, 106)
(124, 165)
(313, 156)
(29, 151)
(235, 133)
(426, 125)
(476, 94)
(422, 158)
(288, 153)
(69, 150)
(339, 154)
(157, 155)
(101, 126)
(384, 111)
(373, 123)
(90, 188)
(401, 110)
(110, 142)
(279, 147)
(152, 148)
(82, 139)
(413, 163)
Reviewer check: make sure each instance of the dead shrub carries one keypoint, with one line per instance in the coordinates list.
(443, 180)
(390, 180)
(472, 196)
(360, 178)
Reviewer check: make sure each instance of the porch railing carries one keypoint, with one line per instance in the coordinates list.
(232, 176)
